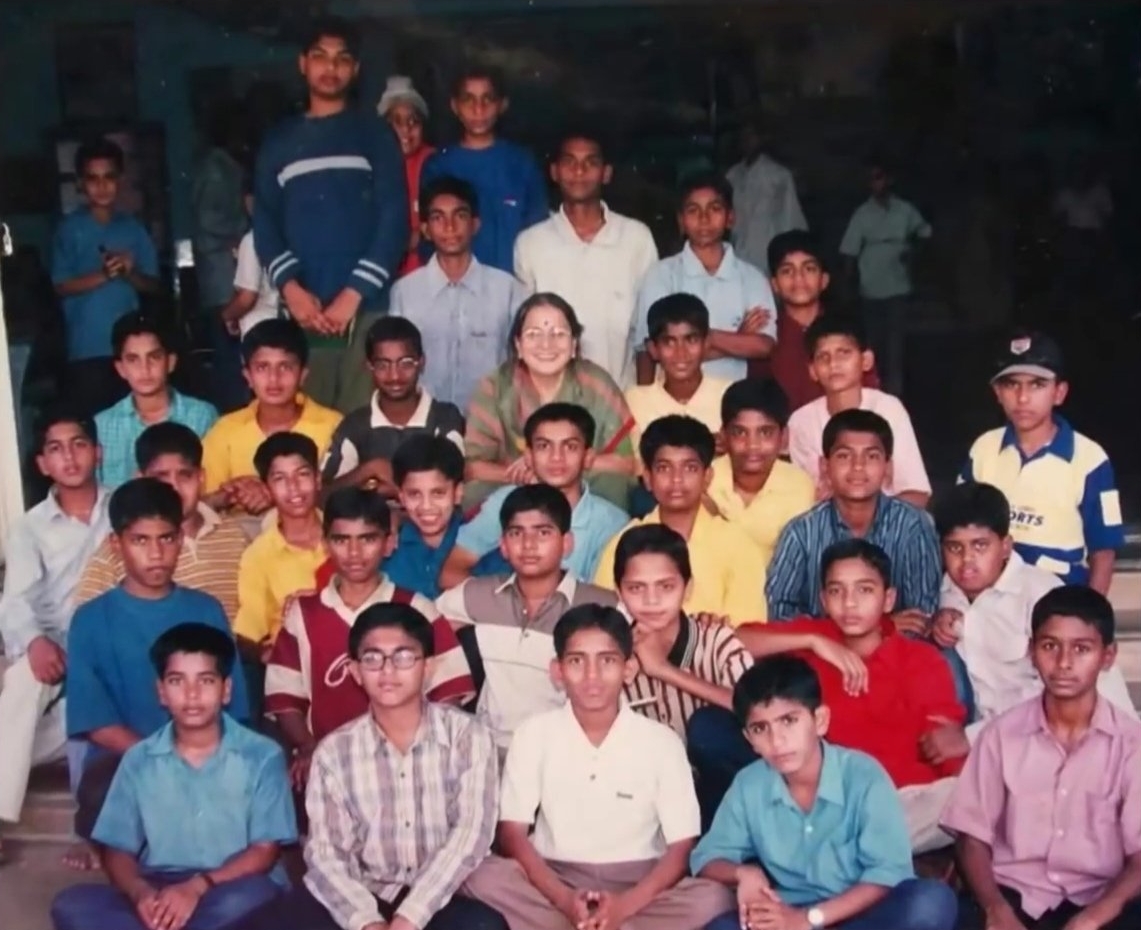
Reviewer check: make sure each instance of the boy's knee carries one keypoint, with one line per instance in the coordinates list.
(230, 901)
(75, 907)
(729, 921)
(926, 904)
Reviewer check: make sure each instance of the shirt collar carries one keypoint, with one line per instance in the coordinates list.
(838, 521)
(607, 235)
(831, 785)
(54, 512)
(431, 730)
(1008, 582)
(332, 599)
(1061, 446)
(692, 268)
(249, 413)
(567, 585)
(162, 743)
(439, 282)
(1103, 719)
(419, 416)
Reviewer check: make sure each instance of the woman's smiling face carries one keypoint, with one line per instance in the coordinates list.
(545, 343)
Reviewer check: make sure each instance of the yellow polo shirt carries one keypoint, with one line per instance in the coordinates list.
(728, 569)
(649, 402)
(788, 493)
(272, 571)
(228, 447)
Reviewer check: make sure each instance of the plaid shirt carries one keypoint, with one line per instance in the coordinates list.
(381, 821)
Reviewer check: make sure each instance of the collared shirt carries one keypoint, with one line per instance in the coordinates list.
(764, 205)
(271, 571)
(77, 250)
(728, 568)
(594, 521)
(806, 440)
(367, 434)
(855, 833)
(709, 651)
(44, 558)
(516, 646)
(879, 237)
(904, 532)
(239, 797)
(208, 562)
(786, 494)
(623, 801)
(649, 402)
(120, 426)
(463, 323)
(228, 448)
(909, 686)
(416, 565)
(382, 821)
(251, 276)
(1063, 499)
(1060, 824)
(599, 277)
(729, 293)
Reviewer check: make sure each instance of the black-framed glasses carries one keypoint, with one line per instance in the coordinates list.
(401, 659)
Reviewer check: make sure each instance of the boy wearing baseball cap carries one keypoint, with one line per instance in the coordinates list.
(1065, 513)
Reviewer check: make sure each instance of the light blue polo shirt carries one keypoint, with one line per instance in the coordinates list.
(89, 317)
(736, 288)
(879, 236)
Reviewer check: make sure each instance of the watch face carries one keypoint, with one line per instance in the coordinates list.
(815, 918)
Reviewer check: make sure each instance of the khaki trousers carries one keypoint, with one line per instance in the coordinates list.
(338, 375)
(32, 732)
(923, 806)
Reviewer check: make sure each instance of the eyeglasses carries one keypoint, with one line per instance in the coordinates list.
(405, 365)
(402, 659)
(555, 336)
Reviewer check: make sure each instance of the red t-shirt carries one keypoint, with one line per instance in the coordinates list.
(413, 165)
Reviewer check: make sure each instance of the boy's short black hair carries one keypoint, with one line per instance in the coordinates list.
(867, 552)
(705, 180)
(478, 71)
(857, 421)
(138, 323)
(652, 539)
(1076, 600)
(785, 677)
(394, 329)
(679, 432)
(561, 412)
(143, 499)
(403, 617)
(594, 617)
(280, 445)
(448, 186)
(551, 502)
(168, 438)
(427, 453)
(356, 504)
(584, 133)
(54, 415)
(281, 334)
(194, 638)
(835, 324)
(99, 149)
(332, 27)
(761, 395)
(789, 243)
(972, 503)
(675, 309)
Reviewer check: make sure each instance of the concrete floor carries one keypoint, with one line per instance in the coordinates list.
(28, 882)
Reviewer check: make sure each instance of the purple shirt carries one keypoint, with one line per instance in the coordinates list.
(1060, 826)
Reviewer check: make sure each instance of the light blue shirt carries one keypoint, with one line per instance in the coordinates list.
(464, 324)
(119, 426)
(594, 522)
(735, 289)
(178, 818)
(879, 237)
(855, 833)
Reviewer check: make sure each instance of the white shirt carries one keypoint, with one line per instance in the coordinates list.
(765, 205)
(623, 801)
(250, 276)
(599, 279)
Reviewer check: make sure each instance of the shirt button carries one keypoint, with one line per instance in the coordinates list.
(593, 776)
(408, 823)
(1061, 833)
(808, 828)
(1063, 792)
(1053, 876)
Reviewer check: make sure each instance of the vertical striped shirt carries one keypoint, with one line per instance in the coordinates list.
(381, 821)
(710, 651)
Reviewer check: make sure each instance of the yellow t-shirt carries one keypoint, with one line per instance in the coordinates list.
(788, 493)
(272, 571)
(649, 402)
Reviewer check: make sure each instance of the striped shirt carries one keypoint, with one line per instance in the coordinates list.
(904, 532)
(710, 651)
(382, 821)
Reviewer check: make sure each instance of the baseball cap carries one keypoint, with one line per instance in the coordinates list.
(399, 89)
(1029, 353)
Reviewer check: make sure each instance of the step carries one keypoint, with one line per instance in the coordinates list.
(49, 811)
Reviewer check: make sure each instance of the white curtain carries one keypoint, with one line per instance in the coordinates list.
(11, 485)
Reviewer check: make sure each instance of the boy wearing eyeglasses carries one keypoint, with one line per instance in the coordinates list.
(360, 454)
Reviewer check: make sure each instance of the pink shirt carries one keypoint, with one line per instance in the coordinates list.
(806, 440)
(1059, 827)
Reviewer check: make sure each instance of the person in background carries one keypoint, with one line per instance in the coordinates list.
(405, 110)
(102, 260)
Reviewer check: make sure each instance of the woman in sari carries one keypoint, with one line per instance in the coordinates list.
(543, 367)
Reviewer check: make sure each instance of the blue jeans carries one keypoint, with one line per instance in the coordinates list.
(718, 750)
(915, 904)
(101, 907)
(964, 691)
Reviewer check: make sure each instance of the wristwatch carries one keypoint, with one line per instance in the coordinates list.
(815, 918)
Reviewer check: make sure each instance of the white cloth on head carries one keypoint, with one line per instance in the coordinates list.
(399, 89)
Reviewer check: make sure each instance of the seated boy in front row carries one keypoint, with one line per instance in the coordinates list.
(1047, 812)
(610, 797)
(814, 836)
(218, 863)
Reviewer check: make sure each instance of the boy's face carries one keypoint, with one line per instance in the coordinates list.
(786, 734)
(974, 557)
(430, 498)
(275, 376)
(753, 441)
(145, 365)
(478, 107)
(408, 125)
(592, 671)
(149, 549)
(329, 68)
(1069, 655)
(450, 225)
(799, 280)
(100, 182)
(855, 597)
(678, 479)
(193, 690)
(396, 371)
(533, 545)
(838, 364)
(68, 457)
(679, 350)
(879, 182)
(293, 486)
(181, 475)
(858, 467)
(1029, 400)
(705, 218)
(357, 548)
(391, 685)
(653, 590)
(558, 455)
(581, 171)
